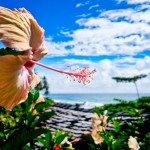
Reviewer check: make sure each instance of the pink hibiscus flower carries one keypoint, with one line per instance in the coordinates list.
(19, 29)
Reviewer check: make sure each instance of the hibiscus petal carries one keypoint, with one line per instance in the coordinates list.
(133, 144)
(37, 33)
(19, 29)
(40, 52)
(35, 80)
(14, 80)
(14, 29)
(97, 139)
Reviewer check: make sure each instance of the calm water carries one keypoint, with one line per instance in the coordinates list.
(91, 100)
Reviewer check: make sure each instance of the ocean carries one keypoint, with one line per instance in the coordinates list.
(92, 100)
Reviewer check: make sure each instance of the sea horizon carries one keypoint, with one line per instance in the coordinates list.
(99, 93)
(93, 99)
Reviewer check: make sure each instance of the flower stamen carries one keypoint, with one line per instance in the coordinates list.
(81, 75)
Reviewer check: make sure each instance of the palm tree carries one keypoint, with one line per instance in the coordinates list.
(133, 79)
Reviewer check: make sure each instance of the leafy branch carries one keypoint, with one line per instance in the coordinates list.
(10, 51)
(133, 79)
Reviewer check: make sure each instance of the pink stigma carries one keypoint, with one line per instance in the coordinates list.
(81, 75)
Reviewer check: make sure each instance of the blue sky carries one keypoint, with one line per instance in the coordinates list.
(112, 36)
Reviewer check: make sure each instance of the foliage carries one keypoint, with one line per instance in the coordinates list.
(117, 137)
(56, 139)
(134, 108)
(21, 127)
(131, 79)
(10, 51)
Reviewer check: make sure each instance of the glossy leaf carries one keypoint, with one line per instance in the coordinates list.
(22, 139)
(44, 116)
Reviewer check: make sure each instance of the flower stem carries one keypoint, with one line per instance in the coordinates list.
(60, 71)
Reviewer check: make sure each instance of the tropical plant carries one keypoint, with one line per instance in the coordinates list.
(21, 127)
(133, 79)
(20, 122)
(124, 135)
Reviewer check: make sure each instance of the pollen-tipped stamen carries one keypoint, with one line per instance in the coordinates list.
(82, 75)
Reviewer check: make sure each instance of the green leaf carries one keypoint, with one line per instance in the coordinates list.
(40, 106)
(105, 112)
(44, 116)
(117, 144)
(89, 137)
(117, 125)
(2, 135)
(10, 133)
(42, 141)
(1, 127)
(92, 147)
(60, 138)
(57, 134)
(10, 51)
(68, 148)
(47, 141)
(27, 148)
(33, 95)
(23, 138)
(30, 119)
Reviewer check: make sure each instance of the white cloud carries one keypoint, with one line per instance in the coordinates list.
(82, 4)
(134, 1)
(93, 6)
(110, 38)
(83, 15)
(72, 62)
(130, 15)
(79, 5)
(56, 49)
(102, 83)
(113, 32)
(145, 6)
